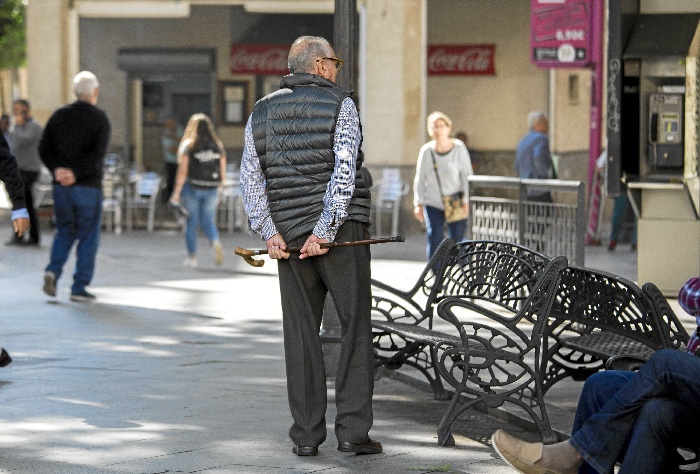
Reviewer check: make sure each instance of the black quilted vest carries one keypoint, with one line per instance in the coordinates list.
(293, 130)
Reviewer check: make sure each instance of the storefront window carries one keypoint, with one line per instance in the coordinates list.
(233, 102)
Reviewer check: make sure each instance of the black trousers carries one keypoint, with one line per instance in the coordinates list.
(29, 177)
(344, 272)
(170, 174)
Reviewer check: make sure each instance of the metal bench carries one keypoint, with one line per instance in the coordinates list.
(488, 362)
(597, 316)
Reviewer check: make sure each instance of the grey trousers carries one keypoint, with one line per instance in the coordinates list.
(344, 272)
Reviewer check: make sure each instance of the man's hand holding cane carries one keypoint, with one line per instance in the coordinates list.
(276, 247)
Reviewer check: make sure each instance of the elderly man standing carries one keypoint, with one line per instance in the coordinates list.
(73, 147)
(302, 187)
(533, 160)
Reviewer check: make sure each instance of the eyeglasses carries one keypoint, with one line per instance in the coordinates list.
(338, 62)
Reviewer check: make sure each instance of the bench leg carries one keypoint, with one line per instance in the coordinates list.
(445, 437)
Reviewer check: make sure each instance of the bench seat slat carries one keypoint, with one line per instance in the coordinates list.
(429, 336)
(415, 333)
(605, 344)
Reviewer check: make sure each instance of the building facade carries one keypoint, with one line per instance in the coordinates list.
(161, 58)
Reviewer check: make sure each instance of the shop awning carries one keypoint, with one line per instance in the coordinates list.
(166, 60)
(661, 36)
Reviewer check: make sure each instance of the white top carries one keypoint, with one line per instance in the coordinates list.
(454, 168)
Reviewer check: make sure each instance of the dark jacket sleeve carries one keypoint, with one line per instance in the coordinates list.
(9, 174)
(46, 149)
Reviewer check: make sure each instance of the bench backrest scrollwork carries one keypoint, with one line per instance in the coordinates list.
(414, 306)
(589, 299)
(499, 272)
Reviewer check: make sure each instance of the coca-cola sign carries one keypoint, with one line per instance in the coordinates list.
(461, 60)
(259, 59)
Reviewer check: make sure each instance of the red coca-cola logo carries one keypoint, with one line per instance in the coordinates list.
(461, 59)
(259, 59)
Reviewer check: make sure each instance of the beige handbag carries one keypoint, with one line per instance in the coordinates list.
(454, 211)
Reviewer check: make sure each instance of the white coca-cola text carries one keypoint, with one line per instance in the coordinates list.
(271, 60)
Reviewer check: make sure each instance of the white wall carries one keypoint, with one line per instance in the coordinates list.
(491, 109)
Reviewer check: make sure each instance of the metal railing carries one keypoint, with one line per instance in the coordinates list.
(550, 228)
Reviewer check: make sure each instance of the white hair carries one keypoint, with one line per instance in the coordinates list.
(305, 51)
(533, 118)
(84, 84)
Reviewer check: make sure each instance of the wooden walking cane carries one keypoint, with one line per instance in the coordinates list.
(248, 254)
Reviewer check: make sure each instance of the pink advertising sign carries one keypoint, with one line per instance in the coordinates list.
(561, 32)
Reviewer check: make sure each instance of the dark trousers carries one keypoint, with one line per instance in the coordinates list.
(29, 177)
(170, 173)
(646, 418)
(78, 211)
(344, 272)
(435, 228)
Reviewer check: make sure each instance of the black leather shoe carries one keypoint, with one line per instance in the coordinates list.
(15, 241)
(5, 358)
(305, 450)
(368, 447)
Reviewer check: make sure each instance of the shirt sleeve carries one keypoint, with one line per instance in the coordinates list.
(19, 214)
(253, 189)
(466, 166)
(341, 186)
(418, 198)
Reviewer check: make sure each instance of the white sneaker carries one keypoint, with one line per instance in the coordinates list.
(190, 262)
(218, 253)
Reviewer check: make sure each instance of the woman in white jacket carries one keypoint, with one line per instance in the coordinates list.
(442, 170)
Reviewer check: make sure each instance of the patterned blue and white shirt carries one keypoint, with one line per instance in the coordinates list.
(339, 191)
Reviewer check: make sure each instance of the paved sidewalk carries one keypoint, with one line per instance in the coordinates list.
(181, 370)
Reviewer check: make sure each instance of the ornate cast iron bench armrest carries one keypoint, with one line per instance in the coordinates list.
(597, 315)
(402, 322)
(500, 359)
(672, 331)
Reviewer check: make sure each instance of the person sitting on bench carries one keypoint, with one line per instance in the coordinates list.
(636, 418)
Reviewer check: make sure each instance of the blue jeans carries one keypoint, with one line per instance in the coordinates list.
(78, 211)
(201, 204)
(620, 208)
(435, 227)
(639, 418)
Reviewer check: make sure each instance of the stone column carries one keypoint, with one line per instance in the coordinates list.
(49, 37)
(394, 83)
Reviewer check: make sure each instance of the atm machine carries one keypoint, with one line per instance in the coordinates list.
(656, 159)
